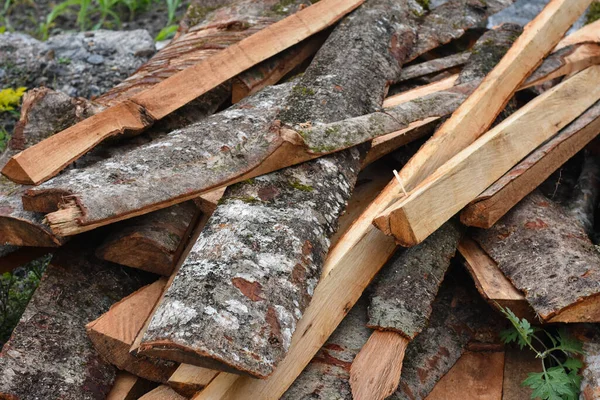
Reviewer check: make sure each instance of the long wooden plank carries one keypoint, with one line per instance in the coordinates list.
(488, 207)
(129, 387)
(479, 111)
(47, 159)
(472, 170)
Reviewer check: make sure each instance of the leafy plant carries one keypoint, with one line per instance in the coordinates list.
(172, 6)
(11, 98)
(559, 379)
(166, 32)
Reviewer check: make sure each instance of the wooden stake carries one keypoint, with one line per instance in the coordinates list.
(129, 387)
(478, 112)
(43, 161)
(479, 165)
(488, 207)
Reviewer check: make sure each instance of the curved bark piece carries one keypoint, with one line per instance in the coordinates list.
(143, 109)
(74, 290)
(589, 335)
(433, 66)
(479, 111)
(547, 256)
(264, 247)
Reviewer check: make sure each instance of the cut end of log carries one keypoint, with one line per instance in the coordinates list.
(64, 221)
(587, 310)
(474, 215)
(375, 372)
(187, 380)
(24, 233)
(399, 226)
(14, 171)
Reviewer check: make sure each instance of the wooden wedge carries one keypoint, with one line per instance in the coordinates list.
(472, 170)
(41, 162)
(129, 387)
(478, 112)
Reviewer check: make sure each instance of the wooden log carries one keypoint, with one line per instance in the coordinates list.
(12, 257)
(187, 379)
(113, 333)
(152, 242)
(433, 66)
(475, 376)
(517, 365)
(272, 70)
(92, 209)
(482, 163)
(262, 280)
(399, 309)
(74, 290)
(589, 335)
(129, 387)
(144, 108)
(488, 207)
(479, 111)
(163, 392)
(556, 249)
(491, 283)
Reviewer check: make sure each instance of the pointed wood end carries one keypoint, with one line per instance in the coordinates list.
(16, 173)
(375, 372)
(396, 223)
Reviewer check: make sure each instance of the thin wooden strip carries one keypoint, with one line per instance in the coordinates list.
(472, 170)
(140, 111)
(478, 112)
(129, 387)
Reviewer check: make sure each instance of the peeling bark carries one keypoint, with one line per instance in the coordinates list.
(547, 256)
(405, 289)
(459, 316)
(589, 335)
(328, 374)
(264, 247)
(49, 355)
(434, 66)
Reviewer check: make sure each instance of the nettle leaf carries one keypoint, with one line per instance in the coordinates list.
(573, 364)
(567, 343)
(554, 384)
(522, 331)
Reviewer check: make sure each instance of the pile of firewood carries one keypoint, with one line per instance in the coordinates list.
(217, 217)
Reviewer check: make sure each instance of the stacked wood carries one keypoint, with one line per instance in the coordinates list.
(129, 387)
(589, 335)
(478, 112)
(558, 250)
(143, 109)
(49, 354)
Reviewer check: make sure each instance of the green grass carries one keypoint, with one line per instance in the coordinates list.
(593, 13)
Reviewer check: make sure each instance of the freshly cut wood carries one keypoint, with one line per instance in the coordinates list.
(485, 161)
(217, 388)
(538, 244)
(163, 392)
(475, 376)
(129, 387)
(262, 280)
(113, 333)
(479, 111)
(488, 207)
(34, 361)
(152, 242)
(421, 91)
(272, 70)
(43, 161)
(491, 282)
(328, 373)
(400, 306)
(187, 380)
(433, 66)
(588, 33)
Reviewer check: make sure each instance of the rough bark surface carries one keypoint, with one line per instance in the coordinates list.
(49, 355)
(584, 199)
(328, 374)
(589, 335)
(152, 242)
(404, 290)
(270, 236)
(459, 316)
(545, 254)
(44, 112)
(464, 14)
(433, 66)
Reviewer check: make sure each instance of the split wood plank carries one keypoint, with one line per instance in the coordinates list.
(475, 376)
(491, 282)
(488, 207)
(129, 387)
(187, 379)
(75, 289)
(518, 364)
(399, 309)
(113, 333)
(217, 387)
(475, 168)
(41, 162)
(272, 70)
(588, 33)
(163, 392)
(262, 299)
(478, 112)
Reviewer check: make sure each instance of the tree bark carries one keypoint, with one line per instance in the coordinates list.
(547, 256)
(434, 66)
(404, 290)
(49, 355)
(590, 336)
